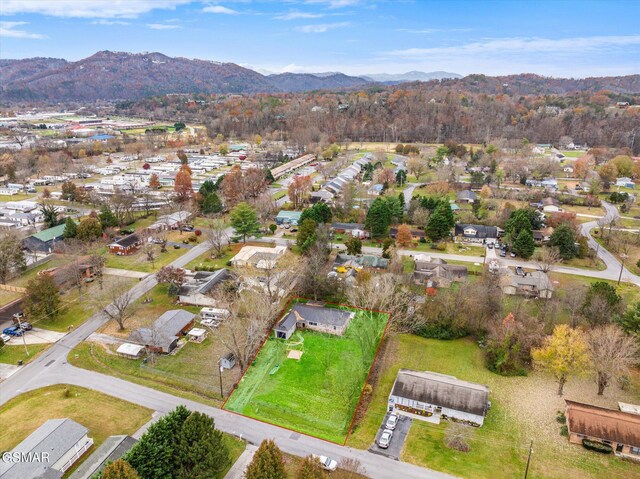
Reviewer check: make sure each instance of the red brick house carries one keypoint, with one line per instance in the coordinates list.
(126, 246)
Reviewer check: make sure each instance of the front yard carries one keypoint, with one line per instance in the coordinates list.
(318, 394)
(523, 409)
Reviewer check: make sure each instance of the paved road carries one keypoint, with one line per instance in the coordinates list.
(408, 194)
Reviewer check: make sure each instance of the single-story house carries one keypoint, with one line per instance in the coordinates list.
(551, 205)
(618, 429)
(288, 217)
(199, 285)
(360, 261)
(376, 189)
(436, 273)
(354, 229)
(172, 221)
(112, 449)
(416, 235)
(130, 351)
(542, 236)
(432, 396)
(314, 317)
(163, 335)
(625, 182)
(125, 246)
(466, 196)
(44, 241)
(322, 196)
(53, 448)
(262, 257)
(477, 233)
(534, 284)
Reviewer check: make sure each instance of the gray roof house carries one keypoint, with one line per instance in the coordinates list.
(436, 272)
(466, 196)
(54, 447)
(112, 449)
(477, 232)
(314, 317)
(432, 396)
(163, 335)
(199, 285)
(532, 284)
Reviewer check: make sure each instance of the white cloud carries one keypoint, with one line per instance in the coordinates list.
(88, 8)
(298, 15)
(321, 28)
(220, 9)
(162, 26)
(8, 30)
(523, 45)
(335, 3)
(109, 22)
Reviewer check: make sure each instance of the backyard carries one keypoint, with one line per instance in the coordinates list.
(523, 409)
(317, 394)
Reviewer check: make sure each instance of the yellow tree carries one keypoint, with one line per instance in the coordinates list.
(404, 237)
(182, 185)
(563, 354)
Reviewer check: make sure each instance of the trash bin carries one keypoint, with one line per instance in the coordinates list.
(19, 362)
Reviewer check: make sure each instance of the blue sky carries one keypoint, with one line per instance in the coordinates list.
(557, 38)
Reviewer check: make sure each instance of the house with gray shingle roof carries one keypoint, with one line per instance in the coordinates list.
(314, 317)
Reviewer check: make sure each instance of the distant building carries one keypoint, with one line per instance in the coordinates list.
(625, 182)
(54, 448)
(551, 205)
(466, 196)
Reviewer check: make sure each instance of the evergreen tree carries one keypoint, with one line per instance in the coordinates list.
(564, 239)
(320, 213)
(310, 468)
(119, 469)
(50, 213)
(201, 450)
(269, 176)
(211, 204)
(106, 217)
(630, 321)
(155, 455)
(207, 187)
(378, 218)
(518, 220)
(401, 177)
(43, 298)
(395, 207)
(524, 245)
(70, 228)
(306, 235)
(401, 200)
(244, 221)
(267, 462)
(440, 222)
(354, 245)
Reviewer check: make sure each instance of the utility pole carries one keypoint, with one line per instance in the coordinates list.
(24, 341)
(622, 257)
(526, 471)
(220, 368)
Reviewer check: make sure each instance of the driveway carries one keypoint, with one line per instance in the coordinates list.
(39, 336)
(397, 441)
(7, 370)
(125, 273)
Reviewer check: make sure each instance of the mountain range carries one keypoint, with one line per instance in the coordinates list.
(110, 75)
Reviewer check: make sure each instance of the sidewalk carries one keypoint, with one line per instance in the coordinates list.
(237, 470)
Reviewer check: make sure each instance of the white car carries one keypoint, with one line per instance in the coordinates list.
(392, 422)
(385, 438)
(211, 323)
(327, 463)
(5, 338)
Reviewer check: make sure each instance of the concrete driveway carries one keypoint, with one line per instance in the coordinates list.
(7, 370)
(39, 336)
(397, 441)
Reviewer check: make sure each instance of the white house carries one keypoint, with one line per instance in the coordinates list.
(430, 397)
(551, 205)
(625, 182)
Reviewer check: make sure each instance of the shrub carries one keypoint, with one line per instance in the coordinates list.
(561, 418)
(638, 263)
(564, 431)
(192, 238)
(197, 232)
(423, 240)
(175, 246)
(597, 446)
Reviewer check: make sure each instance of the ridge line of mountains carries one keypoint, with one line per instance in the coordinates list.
(110, 75)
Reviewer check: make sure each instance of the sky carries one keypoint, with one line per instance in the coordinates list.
(561, 38)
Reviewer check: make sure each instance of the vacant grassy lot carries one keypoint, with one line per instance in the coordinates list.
(317, 395)
(103, 415)
(15, 351)
(138, 261)
(523, 409)
(206, 260)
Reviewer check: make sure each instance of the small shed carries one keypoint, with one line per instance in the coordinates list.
(131, 351)
(228, 361)
(197, 335)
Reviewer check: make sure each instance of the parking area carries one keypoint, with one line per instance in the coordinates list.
(397, 441)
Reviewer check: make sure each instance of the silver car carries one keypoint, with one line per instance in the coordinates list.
(385, 438)
(392, 422)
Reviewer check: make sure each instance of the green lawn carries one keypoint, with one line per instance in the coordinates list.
(207, 261)
(103, 415)
(138, 261)
(14, 351)
(523, 409)
(317, 395)
(279, 194)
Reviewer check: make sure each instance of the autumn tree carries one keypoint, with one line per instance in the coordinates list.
(416, 166)
(244, 220)
(546, 258)
(42, 298)
(404, 237)
(564, 354)
(11, 256)
(299, 190)
(182, 185)
(89, 229)
(583, 166)
(613, 354)
(173, 277)
(310, 468)
(119, 469)
(267, 462)
(154, 182)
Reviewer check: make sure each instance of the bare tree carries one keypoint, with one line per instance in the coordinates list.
(276, 279)
(217, 236)
(351, 468)
(546, 258)
(149, 250)
(121, 305)
(416, 167)
(573, 301)
(613, 354)
(457, 436)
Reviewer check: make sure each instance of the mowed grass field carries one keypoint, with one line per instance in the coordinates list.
(318, 394)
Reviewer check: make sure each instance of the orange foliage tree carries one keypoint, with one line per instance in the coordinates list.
(299, 190)
(404, 237)
(183, 186)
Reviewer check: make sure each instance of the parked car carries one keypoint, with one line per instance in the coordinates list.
(13, 331)
(187, 228)
(211, 323)
(327, 463)
(490, 245)
(392, 422)
(513, 255)
(503, 254)
(385, 438)
(5, 338)
(25, 326)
